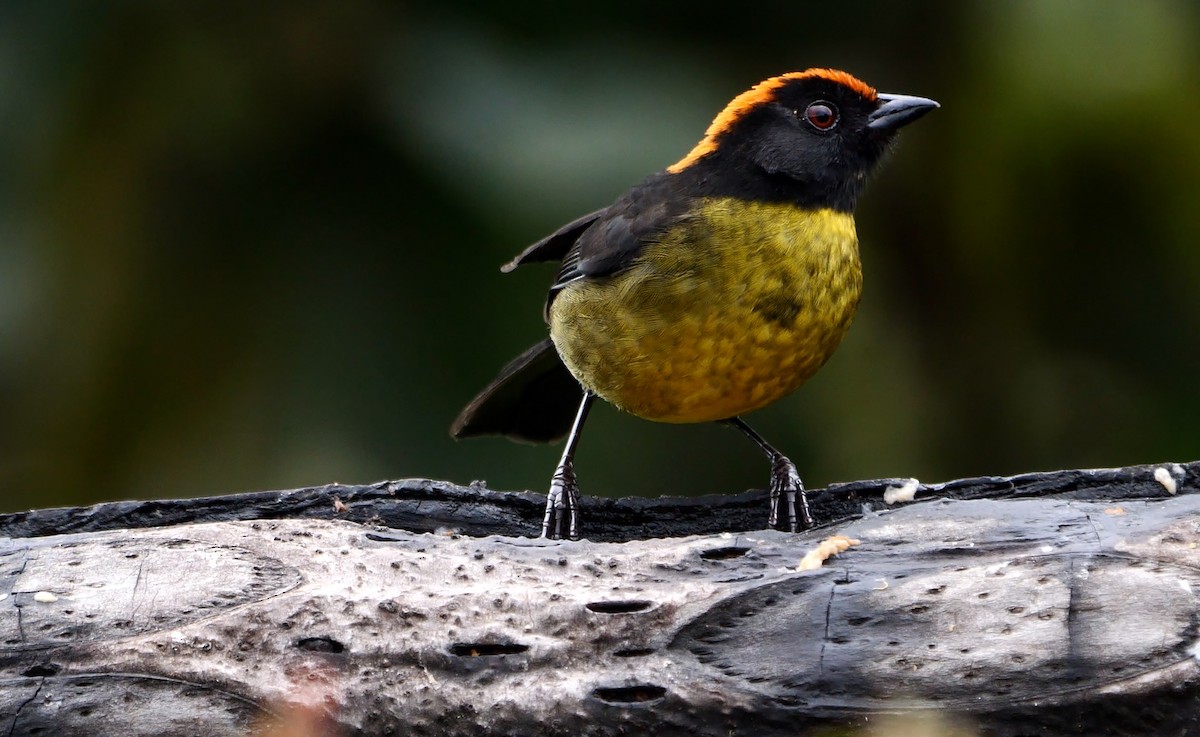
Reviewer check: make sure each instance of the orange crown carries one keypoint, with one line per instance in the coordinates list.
(757, 95)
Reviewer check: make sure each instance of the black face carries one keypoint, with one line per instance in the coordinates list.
(812, 142)
(816, 132)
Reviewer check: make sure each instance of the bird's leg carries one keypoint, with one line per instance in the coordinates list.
(785, 480)
(562, 502)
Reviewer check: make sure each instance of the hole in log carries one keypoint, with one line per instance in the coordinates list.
(320, 645)
(639, 694)
(41, 669)
(723, 553)
(634, 652)
(483, 649)
(619, 607)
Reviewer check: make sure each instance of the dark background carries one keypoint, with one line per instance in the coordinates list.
(254, 246)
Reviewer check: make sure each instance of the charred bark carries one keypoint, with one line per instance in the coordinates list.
(1060, 603)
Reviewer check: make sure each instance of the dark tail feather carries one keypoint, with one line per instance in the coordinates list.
(534, 400)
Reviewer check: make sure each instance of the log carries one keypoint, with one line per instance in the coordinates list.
(1049, 603)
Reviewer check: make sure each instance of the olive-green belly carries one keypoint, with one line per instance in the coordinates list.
(727, 313)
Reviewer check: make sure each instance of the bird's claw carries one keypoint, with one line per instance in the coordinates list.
(786, 486)
(562, 504)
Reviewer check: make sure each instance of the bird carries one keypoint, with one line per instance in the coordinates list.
(710, 289)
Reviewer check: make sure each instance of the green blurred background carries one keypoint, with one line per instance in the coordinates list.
(255, 246)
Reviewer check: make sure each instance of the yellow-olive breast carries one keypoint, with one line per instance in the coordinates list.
(730, 309)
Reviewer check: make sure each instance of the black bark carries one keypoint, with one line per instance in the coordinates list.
(1048, 604)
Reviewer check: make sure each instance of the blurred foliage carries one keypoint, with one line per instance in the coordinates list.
(248, 246)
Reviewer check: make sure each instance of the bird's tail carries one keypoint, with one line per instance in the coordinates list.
(533, 400)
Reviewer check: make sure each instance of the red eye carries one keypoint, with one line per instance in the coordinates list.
(821, 115)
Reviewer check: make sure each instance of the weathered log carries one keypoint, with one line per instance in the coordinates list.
(1047, 604)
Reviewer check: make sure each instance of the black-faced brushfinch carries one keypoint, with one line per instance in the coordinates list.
(712, 288)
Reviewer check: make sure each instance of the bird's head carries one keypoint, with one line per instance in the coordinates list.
(821, 128)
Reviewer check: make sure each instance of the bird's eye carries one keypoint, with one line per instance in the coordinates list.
(821, 115)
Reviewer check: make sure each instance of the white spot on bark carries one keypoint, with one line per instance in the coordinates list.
(1164, 477)
(904, 493)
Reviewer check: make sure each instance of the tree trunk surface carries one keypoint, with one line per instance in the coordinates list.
(1044, 604)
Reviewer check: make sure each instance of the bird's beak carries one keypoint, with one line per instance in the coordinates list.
(896, 111)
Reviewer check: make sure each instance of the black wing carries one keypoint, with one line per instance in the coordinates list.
(534, 398)
(620, 233)
(554, 246)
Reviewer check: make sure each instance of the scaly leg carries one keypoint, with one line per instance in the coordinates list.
(562, 502)
(785, 480)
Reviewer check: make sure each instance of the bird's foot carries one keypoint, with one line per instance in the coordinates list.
(562, 504)
(785, 488)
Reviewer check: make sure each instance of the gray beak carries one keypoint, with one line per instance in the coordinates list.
(896, 111)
